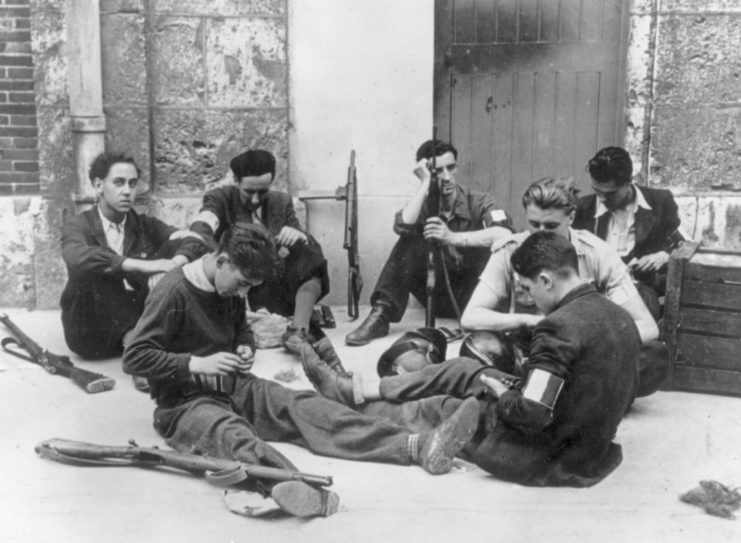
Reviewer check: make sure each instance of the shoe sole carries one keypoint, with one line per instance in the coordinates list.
(439, 457)
(360, 342)
(303, 500)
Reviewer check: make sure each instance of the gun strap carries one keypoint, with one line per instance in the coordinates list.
(226, 477)
(12, 341)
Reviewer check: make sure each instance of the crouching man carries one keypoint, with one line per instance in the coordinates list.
(194, 346)
(554, 426)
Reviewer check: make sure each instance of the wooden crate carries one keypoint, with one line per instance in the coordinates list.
(702, 320)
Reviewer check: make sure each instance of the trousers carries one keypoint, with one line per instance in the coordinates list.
(239, 426)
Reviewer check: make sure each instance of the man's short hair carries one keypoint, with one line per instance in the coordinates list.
(103, 163)
(441, 147)
(253, 163)
(250, 248)
(611, 164)
(544, 250)
(552, 193)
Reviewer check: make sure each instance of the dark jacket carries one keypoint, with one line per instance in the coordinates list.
(97, 307)
(593, 345)
(655, 229)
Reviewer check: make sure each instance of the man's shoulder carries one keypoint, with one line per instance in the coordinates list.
(655, 196)
(586, 241)
(510, 242)
(224, 193)
(586, 202)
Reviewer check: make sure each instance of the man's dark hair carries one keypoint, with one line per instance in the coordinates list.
(611, 164)
(545, 250)
(441, 147)
(103, 163)
(253, 163)
(250, 248)
(552, 193)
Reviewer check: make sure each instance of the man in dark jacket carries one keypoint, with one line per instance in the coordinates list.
(554, 424)
(468, 222)
(639, 222)
(112, 254)
(300, 277)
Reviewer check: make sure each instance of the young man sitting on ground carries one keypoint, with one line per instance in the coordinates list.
(194, 346)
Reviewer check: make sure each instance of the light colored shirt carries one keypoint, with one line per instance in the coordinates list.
(194, 273)
(621, 226)
(114, 233)
(599, 265)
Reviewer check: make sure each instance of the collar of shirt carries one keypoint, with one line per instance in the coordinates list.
(194, 273)
(460, 205)
(638, 201)
(110, 225)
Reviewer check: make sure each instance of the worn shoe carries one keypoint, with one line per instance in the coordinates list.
(294, 338)
(375, 325)
(325, 350)
(447, 440)
(303, 500)
(140, 383)
(326, 381)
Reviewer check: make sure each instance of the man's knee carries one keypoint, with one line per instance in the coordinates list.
(653, 367)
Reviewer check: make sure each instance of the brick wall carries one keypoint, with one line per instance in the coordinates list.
(19, 155)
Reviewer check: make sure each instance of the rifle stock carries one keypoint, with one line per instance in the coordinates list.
(89, 381)
(354, 280)
(219, 471)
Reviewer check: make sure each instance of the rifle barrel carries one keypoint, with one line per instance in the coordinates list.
(33, 348)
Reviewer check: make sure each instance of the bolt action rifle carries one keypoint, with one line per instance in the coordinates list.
(53, 363)
(354, 280)
(433, 210)
(218, 471)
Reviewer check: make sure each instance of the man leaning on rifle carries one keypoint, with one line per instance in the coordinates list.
(468, 222)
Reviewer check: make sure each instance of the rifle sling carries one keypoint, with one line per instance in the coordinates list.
(226, 477)
(12, 341)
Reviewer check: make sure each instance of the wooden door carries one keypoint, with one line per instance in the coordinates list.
(528, 88)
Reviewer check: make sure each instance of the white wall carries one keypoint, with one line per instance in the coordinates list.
(360, 77)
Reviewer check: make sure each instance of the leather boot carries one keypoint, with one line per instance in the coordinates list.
(303, 500)
(375, 325)
(329, 383)
(324, 349)
(439, 448)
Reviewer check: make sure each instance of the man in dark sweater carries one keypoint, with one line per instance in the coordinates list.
(300, 277)
(554, 424)
(112, 255)
(194, 346)
(641, 223)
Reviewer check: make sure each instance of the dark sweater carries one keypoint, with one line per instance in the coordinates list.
(181, 320)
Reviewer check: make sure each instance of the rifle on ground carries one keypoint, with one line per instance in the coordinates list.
(218, 471)
(354, 280)
(53, 363)
(433, 210)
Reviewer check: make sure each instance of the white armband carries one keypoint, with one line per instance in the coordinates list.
(543, 387)
(209, 217)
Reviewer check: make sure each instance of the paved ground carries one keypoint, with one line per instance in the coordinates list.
(670, 442)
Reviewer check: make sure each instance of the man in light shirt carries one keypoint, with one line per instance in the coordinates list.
(112, 254)
(639, 222)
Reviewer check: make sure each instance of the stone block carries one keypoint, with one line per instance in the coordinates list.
(127, 130)
(696, 149)
(178, 212)
(707, 6)
(247, 64)
(49, 45)
(56, 167)
(222, 8)
(17, 217)
(698, 60)
(688, 214)
(178, 65)
(123, 51)
(193, 149)
(50, 271)
(719, 221)
(121, 6)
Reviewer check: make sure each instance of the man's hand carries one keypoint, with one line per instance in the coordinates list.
(247, 357)
(422, 171)
(216, 364)
(436, 229)
(289, 236)
(495, 386)
(652, 262)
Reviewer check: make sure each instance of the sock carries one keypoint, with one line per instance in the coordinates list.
(306, 296)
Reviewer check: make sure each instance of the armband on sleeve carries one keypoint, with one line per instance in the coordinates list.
(543, 387)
